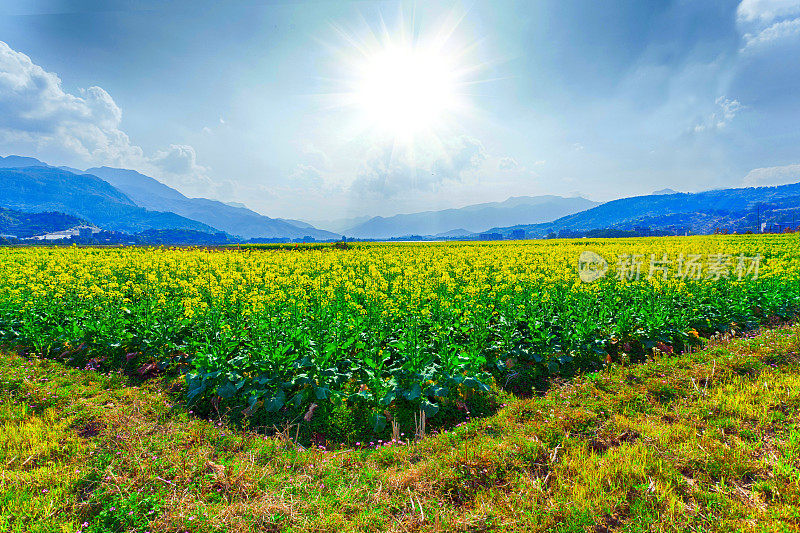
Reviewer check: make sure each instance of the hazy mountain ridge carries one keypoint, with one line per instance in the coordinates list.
(152, 194)
(37, 189)
(701, 212)
(472, 218)
(131, 202)
(340, 225)
(14, 161)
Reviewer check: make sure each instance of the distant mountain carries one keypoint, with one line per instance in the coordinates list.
(13, 161)
(339, 225)
(152, 194)
(68, 169)
(454, 233)
(298, 223)
(473, 218)
(24, 225)
(36, 189)
(664, 191)
(700, 213)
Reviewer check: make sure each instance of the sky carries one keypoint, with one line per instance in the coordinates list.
(321, 110)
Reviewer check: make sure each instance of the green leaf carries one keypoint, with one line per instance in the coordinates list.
(305, 362)
(198, 388)
(299, 398)
(193, 379)
(378, 422)
(275, 402)
(388, 398)
(263, 380)
(471, 383)
(439, 390)
(413, 393)
(253, 400)
(429, 408)
(227, 389)
(302, 379)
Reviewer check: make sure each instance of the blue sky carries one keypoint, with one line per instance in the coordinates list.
(243, 102)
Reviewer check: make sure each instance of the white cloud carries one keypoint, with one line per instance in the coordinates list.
(765, 11)
(179, 159)
(777, 32)
(39, 117)
(461, 154)
(390, 171)
(35, 109)
(760, 177)
(764, 22)
(315, 157)
(306, 177)
(719, 119)
(508, 163)
(729, 108)
(386, 173)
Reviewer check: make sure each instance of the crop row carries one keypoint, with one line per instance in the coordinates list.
(384, 328)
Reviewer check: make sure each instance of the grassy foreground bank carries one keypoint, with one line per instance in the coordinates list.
(708, 441)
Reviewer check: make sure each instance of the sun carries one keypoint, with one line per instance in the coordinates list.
(406, 83)
(406, 89)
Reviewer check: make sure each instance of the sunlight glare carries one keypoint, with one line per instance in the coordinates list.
(408, 85)
(404, 89)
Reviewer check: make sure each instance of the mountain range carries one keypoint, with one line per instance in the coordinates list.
(37, 189)
(151, 194)
(739, 209)
(130, 202)
(472, 218)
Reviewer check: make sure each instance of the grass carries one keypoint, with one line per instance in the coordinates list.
(707, 441)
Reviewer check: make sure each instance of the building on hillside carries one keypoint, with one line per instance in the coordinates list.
(78, 231)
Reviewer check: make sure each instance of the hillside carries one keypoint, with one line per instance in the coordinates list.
(24, 225)
(46, 189)
(150, 193)
(701, 213)
(473, 218)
